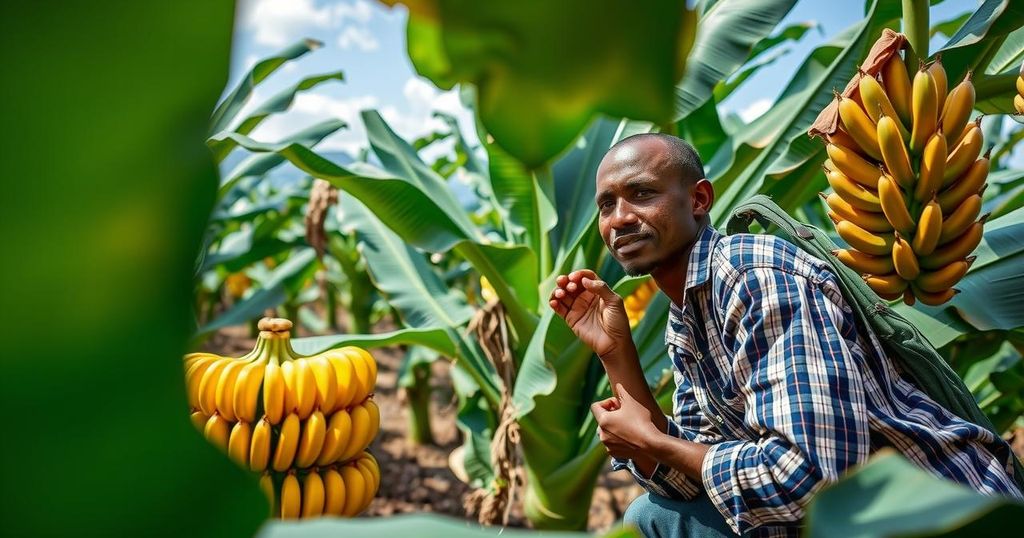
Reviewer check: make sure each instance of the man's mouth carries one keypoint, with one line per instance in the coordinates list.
(629, 243)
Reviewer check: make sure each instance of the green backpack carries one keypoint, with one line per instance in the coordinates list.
(902, 341)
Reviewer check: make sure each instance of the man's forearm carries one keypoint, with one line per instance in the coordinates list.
(623, 367)
(684, 456)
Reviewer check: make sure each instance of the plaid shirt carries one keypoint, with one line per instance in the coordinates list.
(774, 374)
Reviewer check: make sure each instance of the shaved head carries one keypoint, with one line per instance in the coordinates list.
(680, 159)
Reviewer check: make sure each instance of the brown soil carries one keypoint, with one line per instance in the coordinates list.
(417, 478)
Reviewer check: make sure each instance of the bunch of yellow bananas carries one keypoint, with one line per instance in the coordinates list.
(237, 284)
(1018, 100)
(343, 489)
(275, 410)
(636, 303)
(907, 182)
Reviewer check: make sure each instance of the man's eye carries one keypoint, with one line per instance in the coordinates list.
(643, 193)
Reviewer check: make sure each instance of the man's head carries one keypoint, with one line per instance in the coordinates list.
(652, 200)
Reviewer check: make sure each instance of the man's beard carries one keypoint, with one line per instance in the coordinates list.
(638, 269)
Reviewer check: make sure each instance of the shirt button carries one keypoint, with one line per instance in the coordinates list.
(700, 355)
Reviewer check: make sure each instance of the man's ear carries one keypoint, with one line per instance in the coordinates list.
(703, 198)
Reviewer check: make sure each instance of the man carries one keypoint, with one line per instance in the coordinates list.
(778, 390)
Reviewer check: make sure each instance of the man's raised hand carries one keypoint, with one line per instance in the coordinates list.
(592, 310)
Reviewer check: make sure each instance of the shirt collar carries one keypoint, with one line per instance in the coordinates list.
(697, 273)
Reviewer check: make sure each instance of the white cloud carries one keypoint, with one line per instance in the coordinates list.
(754, 110)
(277, 23)
(358, 11)
(359, 37)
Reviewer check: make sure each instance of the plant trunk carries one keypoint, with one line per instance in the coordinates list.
(915, 26)
(418, 402)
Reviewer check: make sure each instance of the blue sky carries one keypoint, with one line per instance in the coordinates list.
(366, 40)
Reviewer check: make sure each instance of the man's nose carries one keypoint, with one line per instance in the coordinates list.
(624, 216)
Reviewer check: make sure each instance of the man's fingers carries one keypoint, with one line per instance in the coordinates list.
(600, 288)
(598, 410)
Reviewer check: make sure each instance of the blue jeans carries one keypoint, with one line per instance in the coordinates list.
(661, 517)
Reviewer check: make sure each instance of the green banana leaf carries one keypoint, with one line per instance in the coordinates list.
(418, 525)
(607, 59)
(729, 31)
(233, 103)
(279, 102)
(436, 339)
(890, 496)
(106, 108)
(776, 146)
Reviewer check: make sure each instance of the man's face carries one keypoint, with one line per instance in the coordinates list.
(645, 211)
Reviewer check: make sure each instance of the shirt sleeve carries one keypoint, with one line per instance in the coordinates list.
(666, 481)
(800, 382)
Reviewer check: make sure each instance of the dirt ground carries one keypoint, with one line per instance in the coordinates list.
(417, 478)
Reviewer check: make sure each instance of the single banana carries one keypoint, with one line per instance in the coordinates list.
(870, 221)
(355, 490)
(226, 390)
(368, 487)
(259, 449)
(291, 400)
(361, 423)
(892, 296)
(208, 386)
(864, 263)
(908, 297)
(287, 443)
(374, 411)
(334, 493)
(1020, 82)
(933, 166)
(247, 390)
(853, 193)
(925, 110)
(217, 431)
(945, 277)
(194, 376)
(1018, 103)
(312, 495)
(958, 108)
(894, 206)
(853, 165)
(336, 439)
(312, 441)
(897, 87)
(326, 382)
(891, 285)
(305, 387)
(929, 228)
(274, 392)
(291, 497)
(957, 222)
(267, 486)
(843, 139)
(361, 375)
(934, 299)
(877, 104)
(867, 242)
(366, 459)
(199, 420)
(941, 82)
(956, 249)
(894, 152)
(371, 363)
(192, 358)
(859, 126)
(966, 151)
(970, 183)
(346, 378)
(904, 260)
(240, 442)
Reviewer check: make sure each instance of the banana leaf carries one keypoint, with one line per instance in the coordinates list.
(106, 108)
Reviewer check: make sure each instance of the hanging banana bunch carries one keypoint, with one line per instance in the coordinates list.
(636, 303)
(288, 416)
(907, 176)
